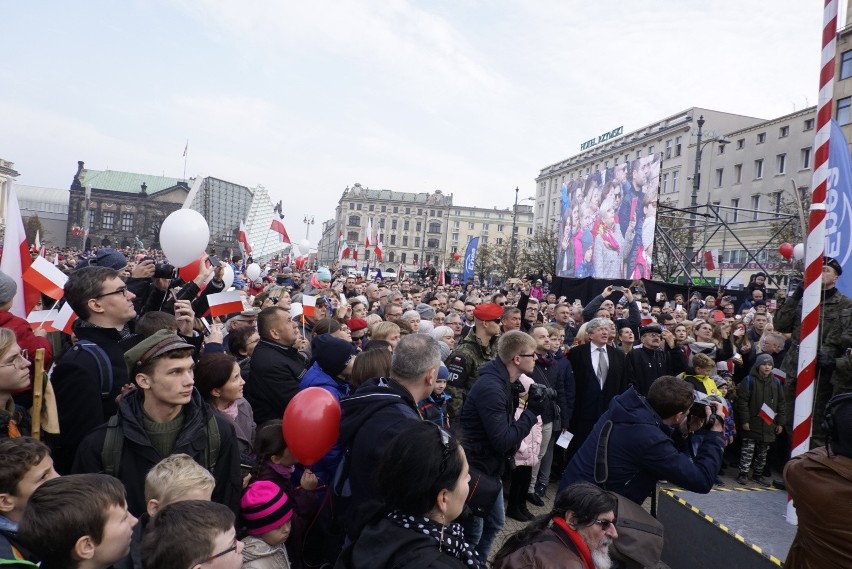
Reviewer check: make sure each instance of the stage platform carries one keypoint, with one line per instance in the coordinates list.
(732, 526)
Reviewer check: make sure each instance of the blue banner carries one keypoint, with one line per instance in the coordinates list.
(470, 259)
(838, 203)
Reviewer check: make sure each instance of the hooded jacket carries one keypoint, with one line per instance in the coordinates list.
(257, 554)
(275, 373)
(752, 393)
(138, 456)
(642, 450)
(316, 377)
(379, 410)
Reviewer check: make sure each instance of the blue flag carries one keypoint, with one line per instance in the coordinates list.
(470, 259)
(838, 202)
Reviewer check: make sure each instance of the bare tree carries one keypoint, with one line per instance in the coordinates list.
(669, 236)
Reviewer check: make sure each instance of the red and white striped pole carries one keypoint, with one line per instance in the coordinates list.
(809, 337)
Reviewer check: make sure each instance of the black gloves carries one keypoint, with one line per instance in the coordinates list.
(797, 294)
(537, 406)
(825, 361)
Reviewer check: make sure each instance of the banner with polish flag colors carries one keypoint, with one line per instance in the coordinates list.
(369, 234)
(441, 274)
(242, 238)
(767, 414)
(379, 245)
(64, 320)
(16, 256)
(342, 248)
(309, 304)
(46, 278)
(223, 303)
(710, 259)
(42, 319)
(278, 228)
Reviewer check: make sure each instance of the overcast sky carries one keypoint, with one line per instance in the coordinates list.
(469, 97)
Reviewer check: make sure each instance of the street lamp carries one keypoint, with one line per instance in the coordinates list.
(513, 243)
(308, 221)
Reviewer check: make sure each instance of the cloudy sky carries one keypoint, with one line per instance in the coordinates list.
(466, 96)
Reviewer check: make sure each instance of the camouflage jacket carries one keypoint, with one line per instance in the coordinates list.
(463, 363)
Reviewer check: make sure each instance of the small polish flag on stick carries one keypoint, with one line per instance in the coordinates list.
(46, 278)
(309, 304)
(767, 414)
(41, 319)
(65, 319)
(222, 303)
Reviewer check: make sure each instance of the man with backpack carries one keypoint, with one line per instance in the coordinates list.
(89, 376)
(166, 415)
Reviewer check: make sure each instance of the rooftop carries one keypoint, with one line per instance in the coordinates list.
(127, 181)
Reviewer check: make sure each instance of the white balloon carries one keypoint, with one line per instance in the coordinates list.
(305, 246)
(228, 276)
(184, 236)
(799, 251)
(253, 272)
(295, 250)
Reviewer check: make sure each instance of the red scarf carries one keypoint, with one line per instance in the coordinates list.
(577, 540)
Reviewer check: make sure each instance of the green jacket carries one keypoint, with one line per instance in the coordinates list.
(463, 364)
(752, 393)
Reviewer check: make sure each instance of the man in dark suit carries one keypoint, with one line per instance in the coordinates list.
(600, 373)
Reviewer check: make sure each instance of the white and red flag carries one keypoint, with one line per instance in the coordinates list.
(767, 414)
(309, 304)
(369, 234)
(342, 248)
(379, 245)
(779, 374)
(355, 256)
(441, 274)
(222, 303)
(65, 319)
(242, 238)
(42, 319)
(37, 244)
(278, 228)
(16, 256)
(46, 278)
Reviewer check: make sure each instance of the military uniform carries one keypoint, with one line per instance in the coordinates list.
(835, 323)
(463, 364)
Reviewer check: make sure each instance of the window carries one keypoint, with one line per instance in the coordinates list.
(355, 220)
(843, 115)
(529, 230)
(432, 243)
(781, 163)
(784, 132)
(382, 223)
(470, 226)
(846, 65)
(391, 257)
(485, 226)
(419, 227)
(431, 213)
(669, 146)
(456, 224)
(419, 211)
(500, 228)
(371, 207)
(396, 209)
(738, 173)
(735, 204)
(416, 258)
(440, 213)
(719, 175)
(384, 208)
(638, 156)
(740, 143)
(755, 205)
(678, 145)
(666, 183)
(806, 158)
(127, 221)
(405, 225)
(358, 206)
(778, 201)
(417, 242)
(434, 228)
(758, 169)
(455, 237)
(393, 240)
(650, 152)
(809, 124)
(352, 237)
(408, 211)
(761, 138)
(484, 239)
(393, 224)
(402, 258)
(499, 241)
(351, 205)
(675, 176)
(720, 149)
(404, 241)
(107, 220)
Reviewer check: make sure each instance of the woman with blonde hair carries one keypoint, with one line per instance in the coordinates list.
(14, 376)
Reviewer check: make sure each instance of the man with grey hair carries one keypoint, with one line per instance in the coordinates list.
(380, 409)
(491, 432)
(600, 373)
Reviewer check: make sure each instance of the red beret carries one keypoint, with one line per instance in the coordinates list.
(356, 324)
(489, 311)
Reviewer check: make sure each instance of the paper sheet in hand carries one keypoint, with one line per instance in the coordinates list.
(564, 439)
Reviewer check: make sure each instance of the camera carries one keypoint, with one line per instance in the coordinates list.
(164, 271)
(540, 392)
(699, 410)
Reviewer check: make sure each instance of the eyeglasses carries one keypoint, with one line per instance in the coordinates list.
(273, 299)
(604, 523)
(496, 321)
(120, 290)
(500, 303)
(19, 359)
(223, 553)
(526, 355)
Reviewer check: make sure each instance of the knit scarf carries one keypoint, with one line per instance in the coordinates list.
(231, 411)
(450, 538)
(608, 236)
(577, 540)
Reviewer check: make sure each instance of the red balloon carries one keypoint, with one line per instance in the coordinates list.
(456, 256)
(311, 424)
(786, 250)
(189, 272)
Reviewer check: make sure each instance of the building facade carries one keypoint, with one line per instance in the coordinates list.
(8, 174)
(51, 207)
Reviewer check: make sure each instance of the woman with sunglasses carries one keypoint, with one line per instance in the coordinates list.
(14, 376)
(423, 478)
(576, 534)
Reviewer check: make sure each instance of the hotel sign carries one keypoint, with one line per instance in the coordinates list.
(602, 138)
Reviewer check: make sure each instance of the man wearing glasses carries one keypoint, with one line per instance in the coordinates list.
(475, 349)
(85, 397)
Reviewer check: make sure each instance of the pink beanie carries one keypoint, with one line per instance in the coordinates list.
(264, 507)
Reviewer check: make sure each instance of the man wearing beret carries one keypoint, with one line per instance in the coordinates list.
(835, 320)
(474, 350)
(165, 416)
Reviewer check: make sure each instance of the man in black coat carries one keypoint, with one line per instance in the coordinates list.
(654, 358)
(491, 435)
(276, 365)
(600, 373)
(379, 410)
(165, 416)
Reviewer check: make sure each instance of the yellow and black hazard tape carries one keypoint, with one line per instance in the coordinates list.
(671, 493)
(734, 489)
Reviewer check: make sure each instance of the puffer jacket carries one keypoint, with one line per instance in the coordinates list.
(752, 393)
(257, 554)
(527, 454)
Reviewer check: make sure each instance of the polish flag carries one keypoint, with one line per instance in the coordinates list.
(223, 303)
(16, 256)
(378, 249)
(309, 304)
(355, 256)
(278, 227)
(369, 233)
(767, 414)
(65, 319)
(342, 248)
(779, 374)
(41, 319)
(46, 278)
(709, 259)
(37, 244)
(441, 274)
(242, 238)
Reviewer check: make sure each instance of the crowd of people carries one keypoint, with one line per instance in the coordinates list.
(162, 444)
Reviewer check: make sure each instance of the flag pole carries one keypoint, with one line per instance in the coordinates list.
(185, 152)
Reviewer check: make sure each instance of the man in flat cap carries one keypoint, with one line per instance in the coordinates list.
(654, 358)
(474, 350)
(835, 320)
(165, 416)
